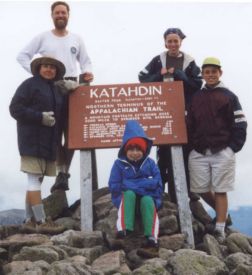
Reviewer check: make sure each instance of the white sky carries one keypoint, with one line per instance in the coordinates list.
(121, 38)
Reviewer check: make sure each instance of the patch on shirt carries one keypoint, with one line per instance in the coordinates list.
(73, 50)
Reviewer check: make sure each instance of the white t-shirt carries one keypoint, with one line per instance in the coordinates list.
(69, 49)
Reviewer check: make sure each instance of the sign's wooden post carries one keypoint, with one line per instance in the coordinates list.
(88, 179)
(185, 218)
(86, 191)
(93, 155)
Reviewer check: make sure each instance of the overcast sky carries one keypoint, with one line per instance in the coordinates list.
(121, 38)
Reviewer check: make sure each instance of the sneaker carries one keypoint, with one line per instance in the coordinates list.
(121, 234)
(210, 227)
(29, 227)
(61, 182)
(150, 242)
(219, 236)
(49, 227)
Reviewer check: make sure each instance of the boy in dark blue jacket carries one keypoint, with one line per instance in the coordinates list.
(135, 176)
(217, 130)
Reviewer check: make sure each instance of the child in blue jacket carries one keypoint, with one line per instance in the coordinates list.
(135, 176)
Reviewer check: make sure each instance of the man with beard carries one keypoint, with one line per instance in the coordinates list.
(70, 50)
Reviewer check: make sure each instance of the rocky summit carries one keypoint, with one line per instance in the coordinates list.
(100, 252)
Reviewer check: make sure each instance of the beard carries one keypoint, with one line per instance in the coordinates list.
(60, 24)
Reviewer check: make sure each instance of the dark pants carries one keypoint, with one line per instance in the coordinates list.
(166, 170)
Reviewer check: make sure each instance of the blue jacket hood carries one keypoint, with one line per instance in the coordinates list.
(134, 129)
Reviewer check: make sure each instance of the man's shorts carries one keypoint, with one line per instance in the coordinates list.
(212, 172)
(38, 166)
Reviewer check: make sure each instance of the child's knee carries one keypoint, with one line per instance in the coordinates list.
(130, 194)
(147, 200)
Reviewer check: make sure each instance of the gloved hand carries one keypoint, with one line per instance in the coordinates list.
(67, 86)
(48, 119)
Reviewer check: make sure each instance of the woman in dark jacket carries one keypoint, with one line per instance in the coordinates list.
(173, 65)
(38, 108)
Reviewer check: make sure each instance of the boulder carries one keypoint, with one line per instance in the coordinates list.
(192, 262)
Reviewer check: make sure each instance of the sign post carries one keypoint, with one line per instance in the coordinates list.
(185, 218)
(86, 190)
(98, 115)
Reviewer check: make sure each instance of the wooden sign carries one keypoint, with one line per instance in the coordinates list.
(97, 114)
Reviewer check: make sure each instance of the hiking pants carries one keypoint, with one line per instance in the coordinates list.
(127, 213)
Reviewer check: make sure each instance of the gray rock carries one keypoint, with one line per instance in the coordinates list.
(26, 267)
(173, 242)
(15, 242)
(79, 239)
(238, 259)
(3, 254)
(102, 206)
(111, 262)
(71, 266)
(164, 212)
(168, 225)
(164, 253)
(191, 262)
(56, 204)
(89, 253)
(135, 261)
(108, 224)
(237, 242)
(169, 205)
(198, 230)
(212, 246)
(72, 252)
(8, 230)
(37, 253)
(242, 270)
(153, 266)
(68, 223)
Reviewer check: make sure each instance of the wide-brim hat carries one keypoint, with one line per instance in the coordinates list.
(46, 60)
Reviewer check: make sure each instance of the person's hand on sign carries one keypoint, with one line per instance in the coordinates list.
(87, 77)
(67, 86)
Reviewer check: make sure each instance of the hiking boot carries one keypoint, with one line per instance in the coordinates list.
(61, 182)
(49, 227)
(121, 234)
(219, 236)
(29, 227)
